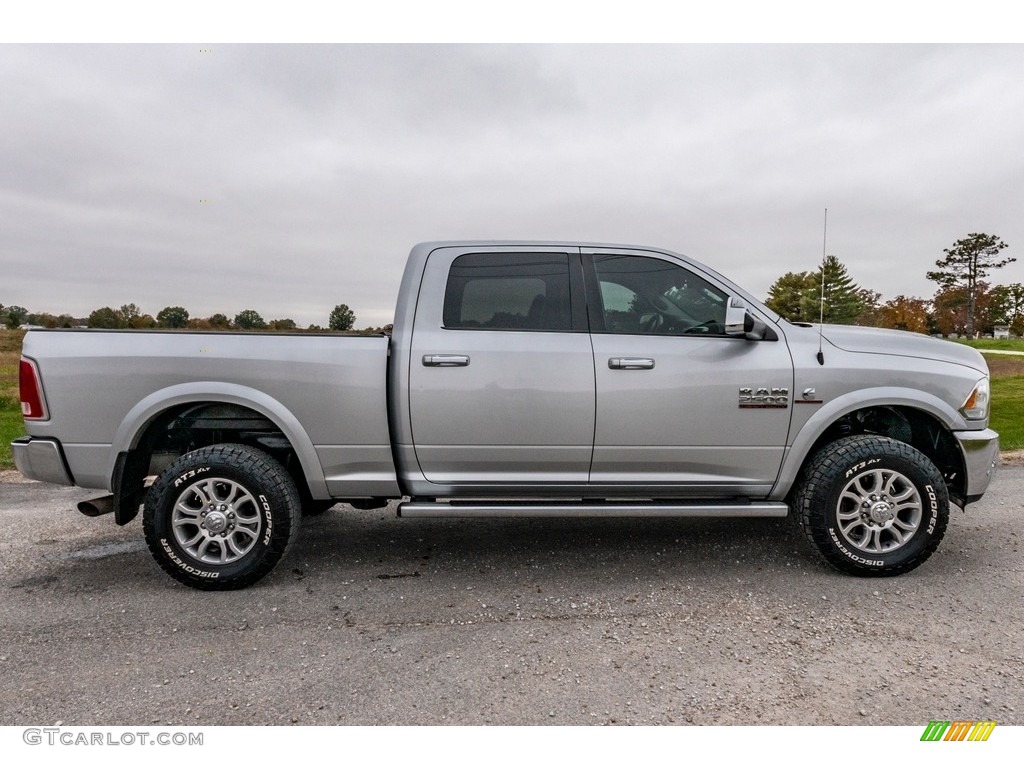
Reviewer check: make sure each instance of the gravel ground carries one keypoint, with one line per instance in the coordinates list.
(376, 620)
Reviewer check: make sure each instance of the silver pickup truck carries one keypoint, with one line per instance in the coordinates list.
(522, 379)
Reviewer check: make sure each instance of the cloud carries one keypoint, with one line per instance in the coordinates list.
(323, 165)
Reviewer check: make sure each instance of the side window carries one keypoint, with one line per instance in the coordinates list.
(509, 292)
(649, 296)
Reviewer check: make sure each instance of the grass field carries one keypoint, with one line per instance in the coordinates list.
(1006, 345)
(1007, 389)
(11, 425)
(1008, 403)
(1007, 393)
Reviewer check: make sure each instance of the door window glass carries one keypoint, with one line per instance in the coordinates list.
(509, 291)
(651, 296)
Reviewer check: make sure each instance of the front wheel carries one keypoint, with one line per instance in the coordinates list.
(871, 505)
(221, 517)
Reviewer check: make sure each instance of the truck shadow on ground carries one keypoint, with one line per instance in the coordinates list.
(346, 543)
(395, 547)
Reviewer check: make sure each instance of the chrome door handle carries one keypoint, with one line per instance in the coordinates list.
(630, 363)
(445, 361)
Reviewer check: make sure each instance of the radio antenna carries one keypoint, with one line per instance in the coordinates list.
(821, 306)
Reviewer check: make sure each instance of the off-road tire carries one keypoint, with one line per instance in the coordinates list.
(221, 517)
(871, 505)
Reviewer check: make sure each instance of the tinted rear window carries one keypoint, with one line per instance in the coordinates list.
(509, 291)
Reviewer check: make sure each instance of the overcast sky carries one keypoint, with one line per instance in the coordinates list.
(291, 178)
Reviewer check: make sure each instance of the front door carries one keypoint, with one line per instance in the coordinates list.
(673, 412)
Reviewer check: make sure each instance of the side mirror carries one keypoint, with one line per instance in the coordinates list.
(735, 316)
(739, 322)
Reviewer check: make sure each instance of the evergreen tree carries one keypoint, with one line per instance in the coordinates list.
(797, 296)
(966, 263)
(840, 297)
(786, 293)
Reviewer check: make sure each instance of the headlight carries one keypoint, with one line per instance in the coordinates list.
(976, 405)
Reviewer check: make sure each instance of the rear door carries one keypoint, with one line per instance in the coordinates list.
(502, 372)
(674, 393)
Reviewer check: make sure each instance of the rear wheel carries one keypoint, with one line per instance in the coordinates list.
(221, 517)
(872, 506)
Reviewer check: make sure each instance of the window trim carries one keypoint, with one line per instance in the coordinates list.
(578, 320)
(595, 300)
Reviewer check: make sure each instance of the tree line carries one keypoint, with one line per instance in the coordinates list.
(341, 318)
(964, 303)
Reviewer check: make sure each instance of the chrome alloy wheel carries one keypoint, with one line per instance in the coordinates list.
(879, 511)
(216, 520)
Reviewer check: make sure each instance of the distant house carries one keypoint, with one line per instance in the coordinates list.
(1001, 331)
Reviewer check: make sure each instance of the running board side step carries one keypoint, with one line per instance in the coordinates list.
(625, 509)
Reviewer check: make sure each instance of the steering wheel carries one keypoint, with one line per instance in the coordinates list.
(710, 327)
(652, 322)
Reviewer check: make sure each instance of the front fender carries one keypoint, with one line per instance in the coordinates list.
(827, 414)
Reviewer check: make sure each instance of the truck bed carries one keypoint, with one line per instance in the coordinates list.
(326, 391)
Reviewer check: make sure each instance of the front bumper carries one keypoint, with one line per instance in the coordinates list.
(41, 459)
(981, 452)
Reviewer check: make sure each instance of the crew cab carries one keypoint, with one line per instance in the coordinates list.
(521, 379)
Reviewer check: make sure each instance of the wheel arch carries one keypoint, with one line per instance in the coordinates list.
(916, 418)
(143, 433)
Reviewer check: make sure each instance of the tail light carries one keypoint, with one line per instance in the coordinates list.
(33, 406)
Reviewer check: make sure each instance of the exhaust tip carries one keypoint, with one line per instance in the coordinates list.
(104, 505)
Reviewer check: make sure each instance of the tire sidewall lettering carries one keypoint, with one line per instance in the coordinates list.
(862, 465)
(268, 517)
(856, 558)
(933, 503)
(268, 486)
(185, 566)
(822, 498)
(880, 560)
(189, 475)
(208, 570)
